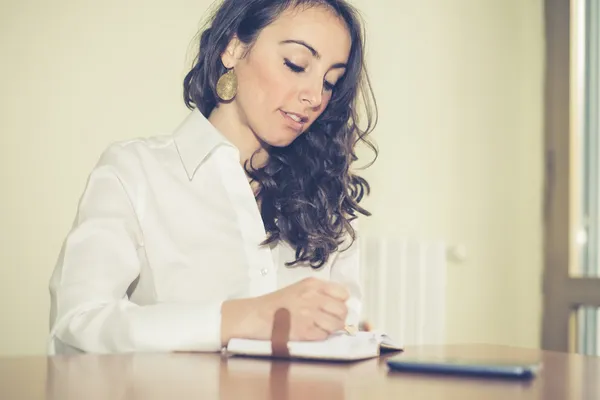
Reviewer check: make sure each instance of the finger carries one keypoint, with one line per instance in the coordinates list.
(335, 290)
(304, 328)
(334, 307)
(365, 326)
(328, 322)
(317, 333)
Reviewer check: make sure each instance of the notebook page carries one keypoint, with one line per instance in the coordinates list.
(339, 346)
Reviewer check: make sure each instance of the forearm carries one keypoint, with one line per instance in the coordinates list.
(122, 326)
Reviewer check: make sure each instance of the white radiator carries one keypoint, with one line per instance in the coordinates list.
(404, 285)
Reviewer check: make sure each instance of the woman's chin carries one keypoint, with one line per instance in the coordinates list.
(279, 141)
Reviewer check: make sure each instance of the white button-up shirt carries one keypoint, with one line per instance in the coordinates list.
(166, 230)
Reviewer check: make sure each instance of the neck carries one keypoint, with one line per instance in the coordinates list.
(227, 120)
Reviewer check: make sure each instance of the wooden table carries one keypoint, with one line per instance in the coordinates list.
(212, 376)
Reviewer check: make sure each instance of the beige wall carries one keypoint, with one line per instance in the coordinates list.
(459, 88)
(460, 92)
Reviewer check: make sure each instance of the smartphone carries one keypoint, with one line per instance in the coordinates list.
(464, 366)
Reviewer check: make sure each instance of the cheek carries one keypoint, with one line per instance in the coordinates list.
(324, 103)
(326, 100)
(262, 87)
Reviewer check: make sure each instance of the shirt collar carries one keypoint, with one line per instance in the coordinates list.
(195, 138)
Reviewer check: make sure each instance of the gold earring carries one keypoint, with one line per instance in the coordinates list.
(227, 85)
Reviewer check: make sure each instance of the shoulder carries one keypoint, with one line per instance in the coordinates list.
(127, 158)
(135, 150)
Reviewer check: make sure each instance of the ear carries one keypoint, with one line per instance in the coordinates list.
(233, 52)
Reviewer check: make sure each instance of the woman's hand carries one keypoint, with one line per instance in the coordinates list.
(316, 309)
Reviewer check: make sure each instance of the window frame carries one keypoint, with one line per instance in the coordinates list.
(562, 292)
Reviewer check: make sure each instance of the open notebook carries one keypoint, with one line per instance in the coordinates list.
(340, 346)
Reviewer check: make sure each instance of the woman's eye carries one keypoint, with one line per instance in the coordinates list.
(293, 67)
(328, 86)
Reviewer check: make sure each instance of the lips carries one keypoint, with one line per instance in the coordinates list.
(296, 117)
(294, 120)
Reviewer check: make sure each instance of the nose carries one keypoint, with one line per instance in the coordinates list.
(312, 94)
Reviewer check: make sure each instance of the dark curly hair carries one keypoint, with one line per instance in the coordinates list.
(308, 195)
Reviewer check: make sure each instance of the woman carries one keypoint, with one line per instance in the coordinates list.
(184, 241)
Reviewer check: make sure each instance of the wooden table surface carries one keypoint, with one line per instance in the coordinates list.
(212, 376)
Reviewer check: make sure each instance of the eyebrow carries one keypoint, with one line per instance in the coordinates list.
(314, 52)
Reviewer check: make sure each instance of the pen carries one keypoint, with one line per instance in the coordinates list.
(350, 329)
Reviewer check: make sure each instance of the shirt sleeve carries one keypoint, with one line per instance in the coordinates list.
(99, 262)
(346, 270)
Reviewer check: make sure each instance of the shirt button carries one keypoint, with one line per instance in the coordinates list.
(264, 272)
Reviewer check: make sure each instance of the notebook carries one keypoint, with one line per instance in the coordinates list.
(340, 346)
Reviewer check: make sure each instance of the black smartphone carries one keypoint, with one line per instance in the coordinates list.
(464, 366)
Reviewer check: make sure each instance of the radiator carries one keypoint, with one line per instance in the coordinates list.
(404, 283)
